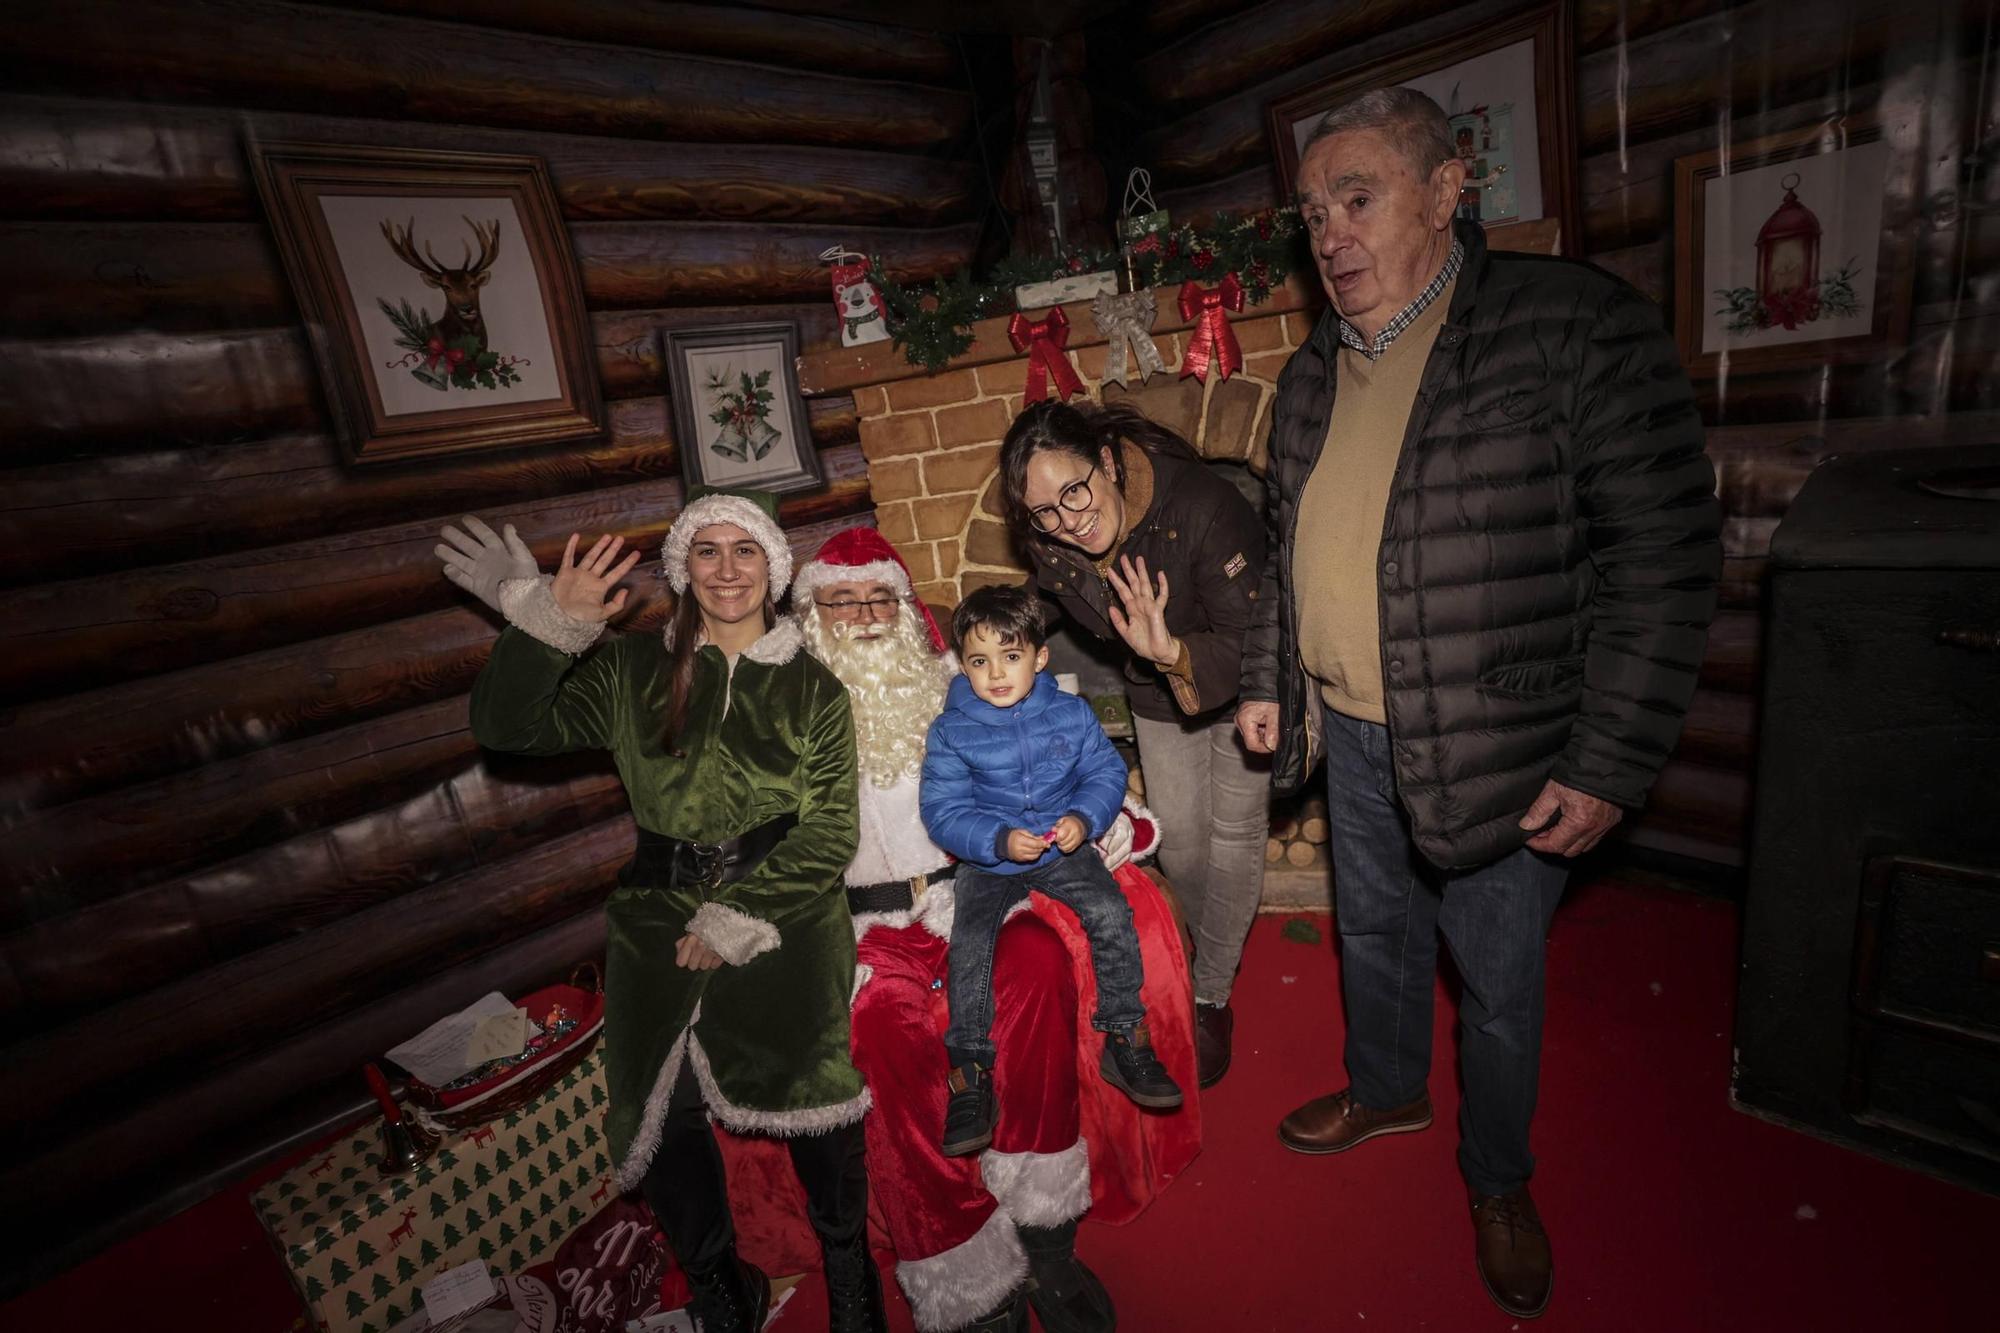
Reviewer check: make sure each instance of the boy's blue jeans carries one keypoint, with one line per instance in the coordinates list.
(981, 899)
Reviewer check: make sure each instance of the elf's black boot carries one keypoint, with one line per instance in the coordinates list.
(730, 1296)
(853, 1289)
(1066, 1295)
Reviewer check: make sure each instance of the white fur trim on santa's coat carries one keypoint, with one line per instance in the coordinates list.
(933, 912)
(734, 934)
(1143, 818)
(530, 606)
(892, 844)
(745, 514)
(816, 574)
(968, 1281)
(778, 645)
(1040, 1189)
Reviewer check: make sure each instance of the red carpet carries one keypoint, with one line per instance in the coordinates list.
(1668, 1210)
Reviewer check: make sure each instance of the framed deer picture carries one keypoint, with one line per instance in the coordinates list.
(439, 294)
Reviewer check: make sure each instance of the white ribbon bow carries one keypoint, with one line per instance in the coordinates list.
(1126, 320)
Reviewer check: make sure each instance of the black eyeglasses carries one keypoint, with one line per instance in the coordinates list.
(876, 607)
(1075, 497)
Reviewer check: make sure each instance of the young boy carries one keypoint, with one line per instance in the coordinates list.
(1018, 779)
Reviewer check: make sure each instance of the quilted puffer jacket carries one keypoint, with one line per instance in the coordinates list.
(990, 770)
(1549, 554)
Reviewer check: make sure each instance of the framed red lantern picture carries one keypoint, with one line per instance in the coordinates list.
(1791, 250)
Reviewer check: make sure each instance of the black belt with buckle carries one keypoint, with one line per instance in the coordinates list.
(681, 863)
(895, 895)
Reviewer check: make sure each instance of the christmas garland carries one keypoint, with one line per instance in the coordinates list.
(933, 323)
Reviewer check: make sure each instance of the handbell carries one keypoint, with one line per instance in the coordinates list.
(404, 1143)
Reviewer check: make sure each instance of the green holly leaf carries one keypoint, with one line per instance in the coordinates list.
(1300, 931)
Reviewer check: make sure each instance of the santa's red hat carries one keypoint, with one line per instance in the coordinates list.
(862, 555)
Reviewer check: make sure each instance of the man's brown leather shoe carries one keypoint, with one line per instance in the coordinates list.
(1514, 1260)
(1336, 1122)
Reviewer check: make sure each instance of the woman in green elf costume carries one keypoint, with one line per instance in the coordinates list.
(731, 954)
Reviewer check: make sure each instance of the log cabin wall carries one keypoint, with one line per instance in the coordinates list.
(1656, 80)
(250, 842)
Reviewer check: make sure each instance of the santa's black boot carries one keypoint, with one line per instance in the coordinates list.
(1009, 1318)
(1067, 1297)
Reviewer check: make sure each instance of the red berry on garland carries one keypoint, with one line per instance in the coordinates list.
(1263, 226)
(1202, 260)
(1173, 249)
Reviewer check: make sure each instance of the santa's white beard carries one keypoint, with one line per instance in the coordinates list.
(897, 684)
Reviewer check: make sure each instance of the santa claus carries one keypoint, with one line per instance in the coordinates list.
(976, 1239)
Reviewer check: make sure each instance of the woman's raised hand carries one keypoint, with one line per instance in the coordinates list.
(1143, 621)
(581, 586)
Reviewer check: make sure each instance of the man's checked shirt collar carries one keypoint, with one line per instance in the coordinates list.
(1408, 314)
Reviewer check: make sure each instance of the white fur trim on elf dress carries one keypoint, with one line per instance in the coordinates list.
(969, 1280)
(808, 1120)
(734, 934)
(530, 606)
(713, 509)
(816, 574)
(779, 644)
(1040, 1189)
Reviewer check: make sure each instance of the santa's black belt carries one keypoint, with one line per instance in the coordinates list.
(683, 863)
(895, 895)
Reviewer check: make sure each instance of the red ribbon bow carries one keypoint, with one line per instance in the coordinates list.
(1044, 342)
(1212, 341)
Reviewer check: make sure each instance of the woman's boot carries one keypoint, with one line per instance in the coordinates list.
(853, 1289)
(1066, 1295)
(1009, 1318)
(730, 1296)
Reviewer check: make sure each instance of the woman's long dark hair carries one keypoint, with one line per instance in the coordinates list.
(1081, 430)
(678, 671)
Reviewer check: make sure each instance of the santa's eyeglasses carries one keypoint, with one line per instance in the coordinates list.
(849, 608)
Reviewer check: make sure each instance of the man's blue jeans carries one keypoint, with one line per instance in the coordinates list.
(980, 902)
(1392, 905)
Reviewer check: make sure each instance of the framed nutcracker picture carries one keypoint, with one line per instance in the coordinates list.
(439, 295)
(1504, 85)
(1791, 250)
(739, 419)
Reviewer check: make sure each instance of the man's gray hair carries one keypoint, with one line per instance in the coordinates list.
(1411, 122)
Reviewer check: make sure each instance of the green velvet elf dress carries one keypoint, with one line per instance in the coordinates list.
(767, 735)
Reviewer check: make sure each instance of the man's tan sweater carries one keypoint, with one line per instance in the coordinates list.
(1338, 543)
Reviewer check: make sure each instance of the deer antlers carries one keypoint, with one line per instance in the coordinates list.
(402, 242)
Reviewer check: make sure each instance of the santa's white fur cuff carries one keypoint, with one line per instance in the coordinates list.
(1040, 1189)
(737, 936)
(530, 606)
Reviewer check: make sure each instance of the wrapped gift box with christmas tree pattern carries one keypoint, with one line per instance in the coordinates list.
(360, 1245)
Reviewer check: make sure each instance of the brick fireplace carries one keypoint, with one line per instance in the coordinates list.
(932, 441)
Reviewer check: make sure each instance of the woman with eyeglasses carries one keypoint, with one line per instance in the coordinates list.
(1143, 546)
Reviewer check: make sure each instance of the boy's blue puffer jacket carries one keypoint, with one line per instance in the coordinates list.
(989, 770)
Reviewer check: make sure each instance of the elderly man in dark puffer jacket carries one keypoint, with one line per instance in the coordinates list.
(1492, 565)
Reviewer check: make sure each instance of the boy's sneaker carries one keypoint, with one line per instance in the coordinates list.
(1130, 1066)
(968, 1116)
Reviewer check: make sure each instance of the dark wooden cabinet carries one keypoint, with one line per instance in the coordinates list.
(1869, 1005)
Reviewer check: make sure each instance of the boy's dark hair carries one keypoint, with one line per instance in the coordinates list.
(1012, 615)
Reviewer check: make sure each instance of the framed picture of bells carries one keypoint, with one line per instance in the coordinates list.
(1505, 88)
(1792, 250)
(739, 419)
(439, 294)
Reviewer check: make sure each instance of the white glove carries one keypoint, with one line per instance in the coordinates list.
(1116, 844)
(478, 559)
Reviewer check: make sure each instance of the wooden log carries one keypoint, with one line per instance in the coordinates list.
(1168, 20)
(118, 949)
(137, 1135)
(98, 161)
(65, 520)
(1204, 67)
(1720, 730)
(1274, 851)
(59, 278)
(1245, 192)
(1606, 23)
(106, 390)
(1301, 854)
(88, 632)
(93, 849)
(1694, 798)
(1742, 584)
(267, 53)
(231, 1010)
(1314, 830)
(801, 40)
(1734, 659)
